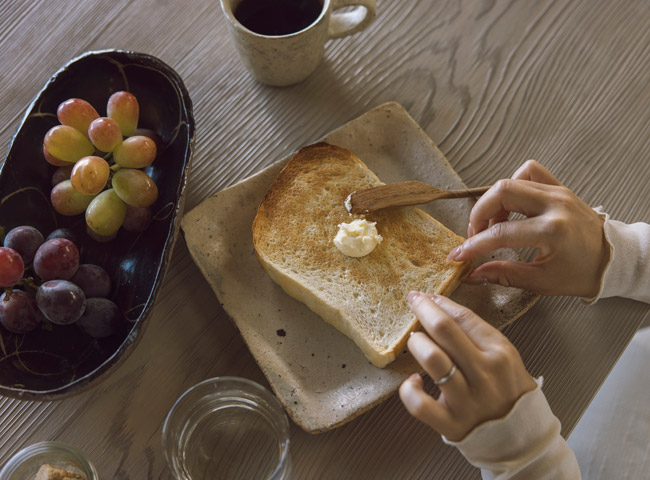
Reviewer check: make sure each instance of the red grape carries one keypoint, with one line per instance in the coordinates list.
(61, 302)
(101, 318)
(25, 240)
(11, 267)
(93, 280)
(56, 259)
(18, 311)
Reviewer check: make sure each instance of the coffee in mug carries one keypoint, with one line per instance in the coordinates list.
(281, 42)
(277, 17)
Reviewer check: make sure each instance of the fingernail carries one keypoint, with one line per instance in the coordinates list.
(454, 253)
(413, 298)
(414, 377)
(435, 297)
(470, 230)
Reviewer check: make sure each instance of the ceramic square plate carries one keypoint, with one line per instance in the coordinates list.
(320, 376)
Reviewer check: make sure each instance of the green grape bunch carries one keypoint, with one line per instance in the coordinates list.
(99, 162)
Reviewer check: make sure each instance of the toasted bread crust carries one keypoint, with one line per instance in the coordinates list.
(365, 298)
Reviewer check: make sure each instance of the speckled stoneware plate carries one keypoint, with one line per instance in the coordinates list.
(52, 363)
(320, 376)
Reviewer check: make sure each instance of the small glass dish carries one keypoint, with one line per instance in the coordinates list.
(230, 428)
(25, 464)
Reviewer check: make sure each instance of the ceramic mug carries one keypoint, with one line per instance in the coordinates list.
(282, 60)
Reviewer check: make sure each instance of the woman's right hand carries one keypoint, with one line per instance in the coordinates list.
(572, 250)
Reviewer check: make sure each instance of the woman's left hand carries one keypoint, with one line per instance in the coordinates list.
(489, 374)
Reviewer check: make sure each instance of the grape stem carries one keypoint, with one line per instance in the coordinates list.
(28, 283)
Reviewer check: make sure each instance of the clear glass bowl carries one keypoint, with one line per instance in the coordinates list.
(25, 464)
(230, 428)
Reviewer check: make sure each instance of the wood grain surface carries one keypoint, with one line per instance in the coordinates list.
(493, 83)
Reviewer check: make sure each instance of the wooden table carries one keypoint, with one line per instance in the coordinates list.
(492, 83)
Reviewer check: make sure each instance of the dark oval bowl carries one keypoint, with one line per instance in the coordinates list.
(51, 363)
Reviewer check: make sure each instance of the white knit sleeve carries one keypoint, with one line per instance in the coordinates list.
(525, 444)
(627, 273)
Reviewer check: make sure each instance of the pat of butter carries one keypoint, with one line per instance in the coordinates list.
(357, 238)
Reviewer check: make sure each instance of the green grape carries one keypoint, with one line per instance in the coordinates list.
(52, 160)
(89, 175)
(67, 201)
(67, 143)
(77, 113)
(105, 134)
(135, 187)
(100, 238)
(135, 152)
(147, 132)
(106, 213)
(124, 109)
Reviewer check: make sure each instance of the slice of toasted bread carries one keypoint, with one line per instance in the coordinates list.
(364, 298)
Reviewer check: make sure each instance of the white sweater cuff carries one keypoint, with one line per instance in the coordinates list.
(524, 444)
(627, 273)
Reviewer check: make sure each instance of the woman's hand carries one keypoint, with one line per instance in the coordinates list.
(572, 250)
(489, 377)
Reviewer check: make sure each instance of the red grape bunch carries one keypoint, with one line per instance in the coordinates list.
(100, 161)
(65, 291)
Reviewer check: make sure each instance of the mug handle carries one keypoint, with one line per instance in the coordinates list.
(352, 21)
